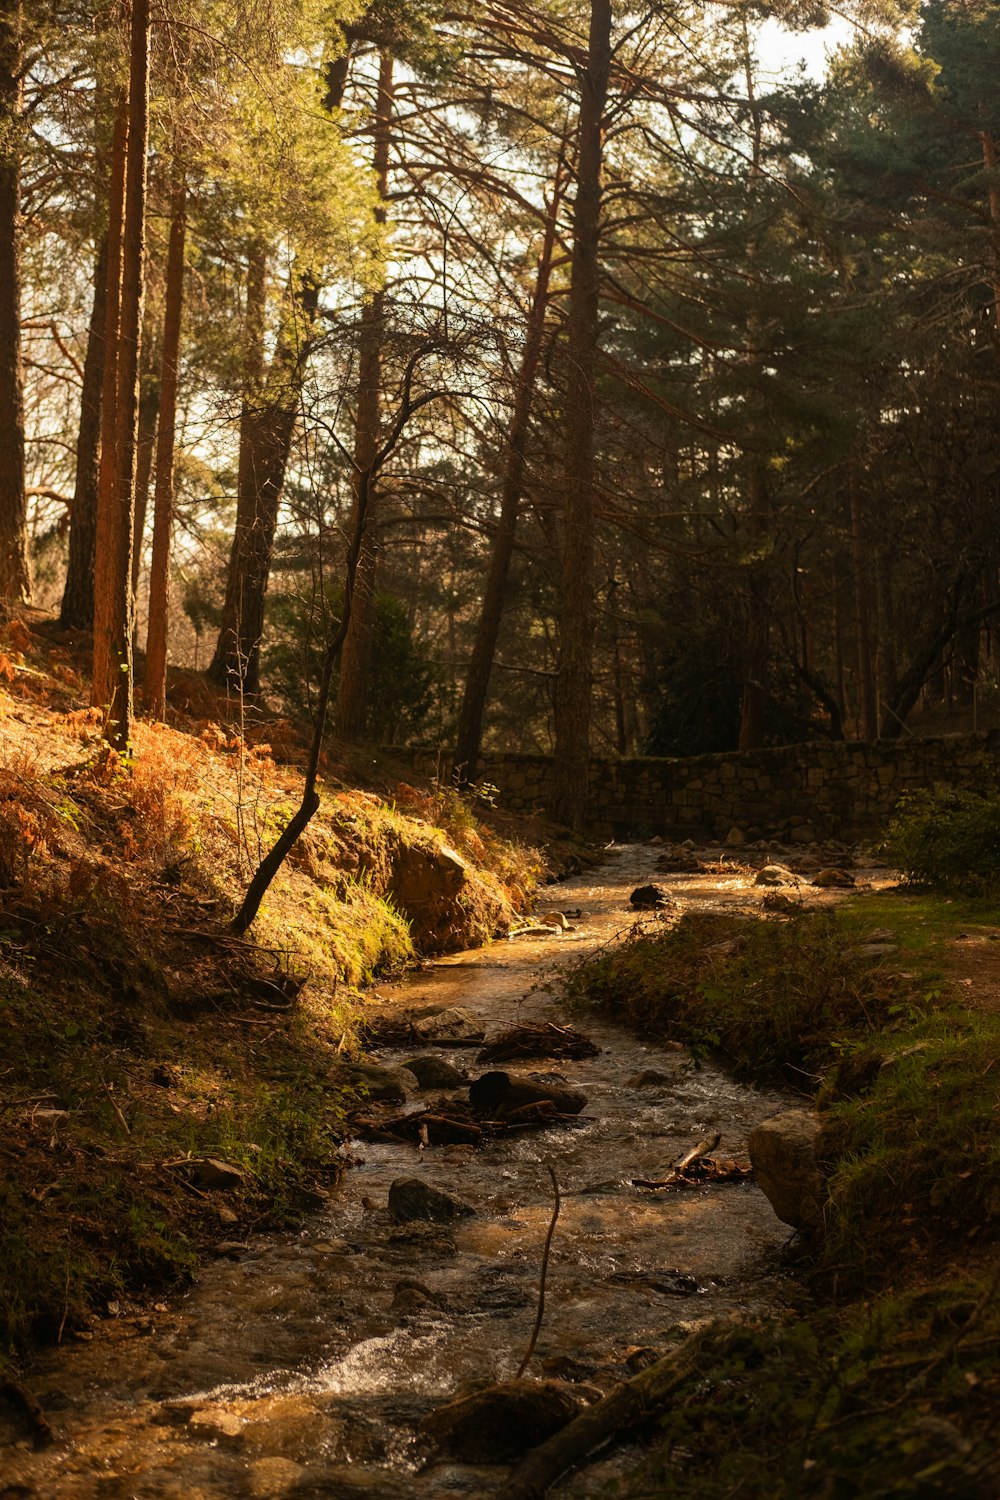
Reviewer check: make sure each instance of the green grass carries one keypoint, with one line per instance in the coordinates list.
(774, 998)
(887, 1380)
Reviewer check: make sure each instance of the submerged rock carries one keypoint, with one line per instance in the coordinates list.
(783, 1150)
(452, 1025)
(352, 1482)
(412, 1198)
(498, 1424)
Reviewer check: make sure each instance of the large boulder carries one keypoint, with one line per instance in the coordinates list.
(784, 1153)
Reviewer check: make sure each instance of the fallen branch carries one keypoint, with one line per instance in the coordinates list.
(624, 1407)
(681, 1165)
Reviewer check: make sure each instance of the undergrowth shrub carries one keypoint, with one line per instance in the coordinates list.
(774, 997)
(948, 839)
(913, 1162)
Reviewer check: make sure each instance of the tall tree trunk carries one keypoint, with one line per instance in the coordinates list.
(470, 719)
(155, 684)
(267, 426)
(112, 685)
(149, 412)
(105, 665)
(867, 696)
(77, 609)
(355, 661)
(576, 580)
(15, 576)
(757, 649)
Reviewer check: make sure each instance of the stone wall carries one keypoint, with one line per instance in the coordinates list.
(825, 790)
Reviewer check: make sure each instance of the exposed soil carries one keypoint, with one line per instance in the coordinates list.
(973, 964)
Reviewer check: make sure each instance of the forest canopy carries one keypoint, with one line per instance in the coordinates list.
(607, 386)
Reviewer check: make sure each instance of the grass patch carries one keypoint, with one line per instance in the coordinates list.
(774, 998)
(894, 1398)
(888, 1381)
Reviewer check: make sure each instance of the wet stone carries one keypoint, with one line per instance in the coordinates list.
(433, 1072)
(412, 1198)
(351, 1482)
(646, 897)
(776, 875)
(832, 878)
(272, 1478)
(649, 1078)
(503, 1421)
(411, 1297)
(453, 1026)
(387, 1085)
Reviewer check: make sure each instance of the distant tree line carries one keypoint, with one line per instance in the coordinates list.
(653, 394)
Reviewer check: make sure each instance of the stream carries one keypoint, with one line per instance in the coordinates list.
(303, 1365)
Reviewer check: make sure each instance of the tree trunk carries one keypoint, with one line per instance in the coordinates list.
(77, 609)
(867, 697)
(757, 658)
(470, 719)
(757, 650)
(267, 425)
(112, 685)
(105, 662)
(149, 412)
(155, 683)
(576, 582)
(15, 577)
(355, 661)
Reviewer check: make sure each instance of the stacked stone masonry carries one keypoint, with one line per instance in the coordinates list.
(799, 792)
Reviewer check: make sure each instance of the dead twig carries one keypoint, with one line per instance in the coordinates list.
(115, 1106)
(557, 1204)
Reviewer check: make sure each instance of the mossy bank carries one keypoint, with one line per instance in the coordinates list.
(166, 1085)
(886, 1379)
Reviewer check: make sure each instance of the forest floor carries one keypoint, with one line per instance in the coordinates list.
(163, 1083)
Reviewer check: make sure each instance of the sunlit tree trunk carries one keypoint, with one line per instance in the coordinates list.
(355, 663)
(15, 576)
(470, 720)
(155, 683)
(149, 412)
(576, 580)
(112, 680)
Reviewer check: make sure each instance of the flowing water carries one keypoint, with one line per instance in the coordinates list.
(305, 1365)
